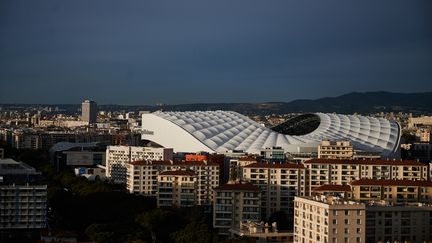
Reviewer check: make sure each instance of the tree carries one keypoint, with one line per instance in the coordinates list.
(99, 233)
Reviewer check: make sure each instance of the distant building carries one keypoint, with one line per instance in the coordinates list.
(23, 200)
(89, 111)
(335, 150)
(273, 154)
(328, 219)
(177, 188)
(117, 158)
(420, 121)
(235, 202)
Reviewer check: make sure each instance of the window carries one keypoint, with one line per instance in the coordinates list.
(334, 221)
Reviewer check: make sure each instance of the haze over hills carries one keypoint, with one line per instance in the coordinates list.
(364, 103)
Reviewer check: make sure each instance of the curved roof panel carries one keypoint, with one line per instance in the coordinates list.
(227, 130)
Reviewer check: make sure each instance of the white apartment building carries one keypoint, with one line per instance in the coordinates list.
(335, 150)
(142, 177)
(278, 183)
(342, 172)
(389, 223)
(177, 188)
(235, 202)
(117, 157)
(328, 219)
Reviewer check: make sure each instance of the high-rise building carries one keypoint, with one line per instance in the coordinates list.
(89, 111)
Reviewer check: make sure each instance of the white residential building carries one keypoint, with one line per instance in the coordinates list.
(142, 177)
(117, 157)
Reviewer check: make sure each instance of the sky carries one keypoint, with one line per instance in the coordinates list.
(176, 52)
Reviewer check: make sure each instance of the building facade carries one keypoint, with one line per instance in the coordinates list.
(395, 191)
(89, 111)
(23, 200)
(278, 183)
(142, 177)
(118, 157)
(342, 172)
(235, 202)
(335, 150)
(328, 220)
(389, 223)
(177, 188)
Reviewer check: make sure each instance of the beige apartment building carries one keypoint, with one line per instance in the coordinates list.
(117, 158)
(235, 202)
(335, 150)
(278, 183)
(142, 177)
(328, 219)
(343, 172)
(177, 188)
(395, 191)
(409, 223)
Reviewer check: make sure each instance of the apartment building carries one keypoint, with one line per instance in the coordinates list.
(389, 223)
(23, 200)
(395, 191)
(335, 150)
(177, 188)
(235, 202)
(142, 177)
(278, 183)
(329, 220)
(237, 165)
(117, 158)
(342, 172)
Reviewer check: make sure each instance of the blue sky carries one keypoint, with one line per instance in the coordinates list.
(147, 52)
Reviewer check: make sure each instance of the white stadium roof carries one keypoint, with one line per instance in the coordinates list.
(219, 131)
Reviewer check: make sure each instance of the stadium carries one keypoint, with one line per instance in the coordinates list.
(221, 131)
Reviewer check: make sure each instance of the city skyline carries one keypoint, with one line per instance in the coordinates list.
(198, 52)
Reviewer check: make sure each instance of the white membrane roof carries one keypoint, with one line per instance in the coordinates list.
(220, 131)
